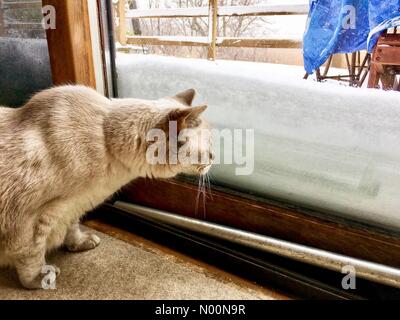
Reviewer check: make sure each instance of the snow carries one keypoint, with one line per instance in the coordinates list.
(168, 12)
(219, 40)
(324, 146)
(222, 11)
(294, 38)
(272, 8)
(144, 4)
(177, 38)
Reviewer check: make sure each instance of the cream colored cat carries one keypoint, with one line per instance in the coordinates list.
(65, 152)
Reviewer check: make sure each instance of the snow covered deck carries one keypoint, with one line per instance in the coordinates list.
(321, 145)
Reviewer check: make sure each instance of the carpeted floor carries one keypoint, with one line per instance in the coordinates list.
(135, 270)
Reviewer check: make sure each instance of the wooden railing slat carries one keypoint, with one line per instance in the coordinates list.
(168, 41)
(220, 42)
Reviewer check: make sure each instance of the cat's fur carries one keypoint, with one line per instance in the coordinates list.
(65, 152)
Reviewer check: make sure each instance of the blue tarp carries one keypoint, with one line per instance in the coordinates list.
(345, 26)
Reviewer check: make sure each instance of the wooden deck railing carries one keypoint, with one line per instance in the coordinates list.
(213, 12)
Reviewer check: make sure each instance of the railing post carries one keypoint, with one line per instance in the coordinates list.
(122, 22)
(212, 29)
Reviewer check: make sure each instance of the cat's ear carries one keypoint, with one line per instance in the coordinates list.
(184, 114)
(184, 117)
(186, 97)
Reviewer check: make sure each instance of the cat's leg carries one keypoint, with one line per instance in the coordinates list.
(32, 270)
(29, 260)
(76, 240)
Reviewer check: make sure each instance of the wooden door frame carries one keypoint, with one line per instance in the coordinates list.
(71, 59)
(70, 44)
(268, 217)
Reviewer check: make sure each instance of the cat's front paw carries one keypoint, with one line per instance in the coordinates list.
(45, 280)
(88, 242)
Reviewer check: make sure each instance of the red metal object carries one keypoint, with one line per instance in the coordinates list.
(385, 63)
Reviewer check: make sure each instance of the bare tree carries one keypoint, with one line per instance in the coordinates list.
(234, 26)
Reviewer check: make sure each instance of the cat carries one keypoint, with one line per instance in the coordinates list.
(65, 152)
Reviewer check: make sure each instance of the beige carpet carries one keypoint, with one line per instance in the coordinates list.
(121, 270)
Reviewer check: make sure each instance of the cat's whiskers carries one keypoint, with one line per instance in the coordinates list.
(208, 180)
(204, 191)
(198, 197)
